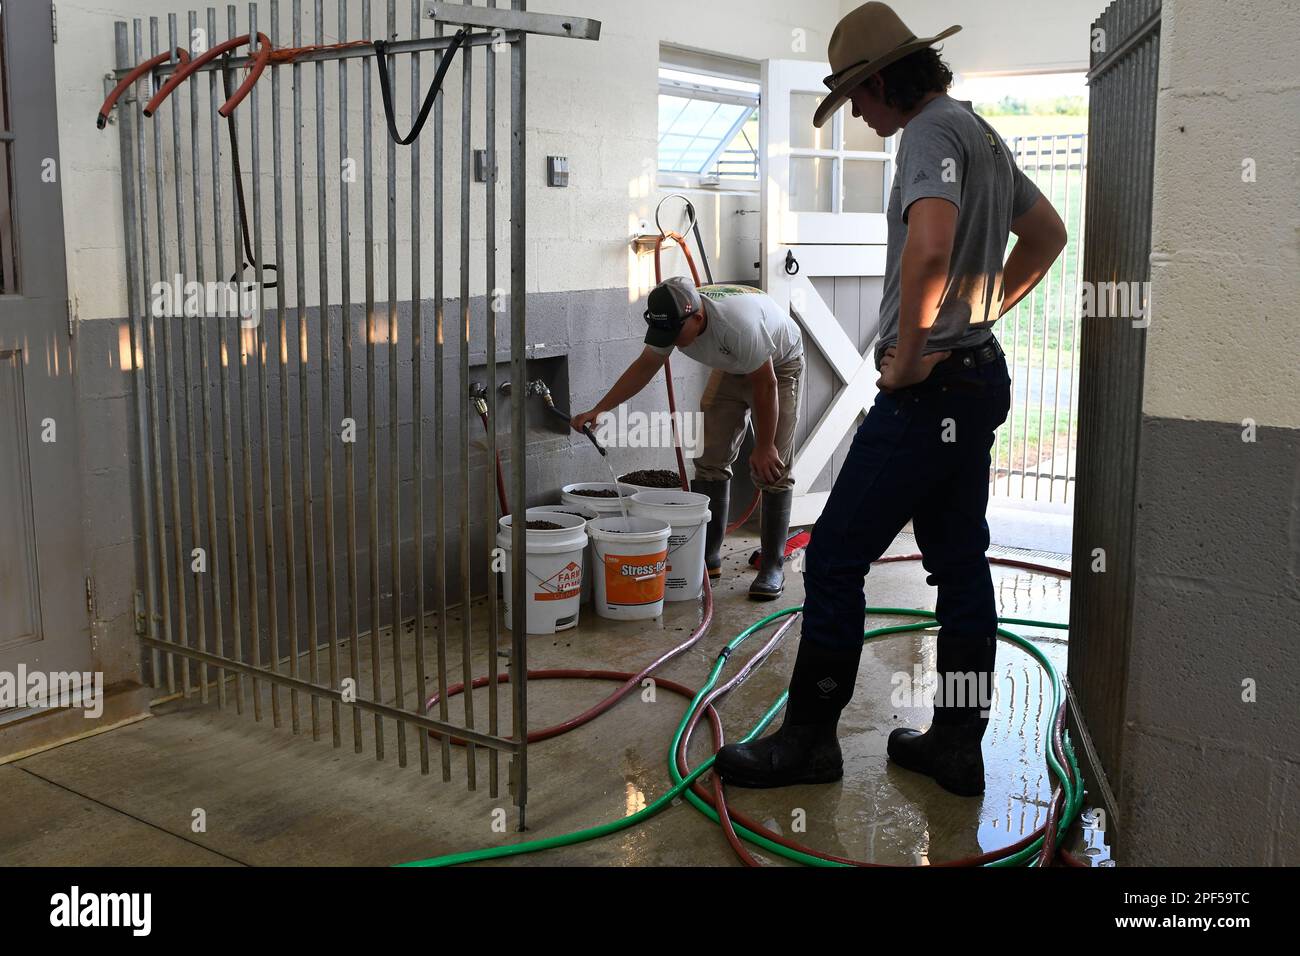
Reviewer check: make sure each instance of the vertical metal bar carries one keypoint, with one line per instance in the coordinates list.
(1071, 459)
(345, 298)
(182, 263)
(372, 475)
(1060, 324)
(131, 151)
(467, 597)
(326, 392)
(518, 375)
(417, 398)
(304, 364)
(282, 345)
(394, 425)
(439, 426)
(1047, 328)
(232, 542)
(191, 426)
(247, 337)
(1029, 353)
(261, 358)
(1010, 425)
(490, 317)
(157, 384)
(205, 376)
(1002, 430)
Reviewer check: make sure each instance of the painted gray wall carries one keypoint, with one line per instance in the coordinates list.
(1208, 777)
(589, 337)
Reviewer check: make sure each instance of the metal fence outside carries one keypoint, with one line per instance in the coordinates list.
(1034, 454)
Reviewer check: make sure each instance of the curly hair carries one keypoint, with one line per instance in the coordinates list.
(907, 80)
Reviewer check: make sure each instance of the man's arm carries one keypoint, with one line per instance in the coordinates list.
(923, 276)
(636, 377)
(765, 460)
(1040, 237)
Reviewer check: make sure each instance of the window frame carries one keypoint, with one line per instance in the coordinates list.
(703, 67)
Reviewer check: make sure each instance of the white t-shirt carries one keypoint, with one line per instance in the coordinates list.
(745, 328)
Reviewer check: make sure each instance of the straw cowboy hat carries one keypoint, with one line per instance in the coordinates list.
(864, 42)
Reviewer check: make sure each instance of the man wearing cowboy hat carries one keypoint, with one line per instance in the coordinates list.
(922, 454)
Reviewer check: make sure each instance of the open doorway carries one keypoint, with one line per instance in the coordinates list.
(1044, 119)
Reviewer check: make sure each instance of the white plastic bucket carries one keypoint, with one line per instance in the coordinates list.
(589, 558)
(553, 561)
(631, 558)
(602, 506)
(622, 480)
(688, 513)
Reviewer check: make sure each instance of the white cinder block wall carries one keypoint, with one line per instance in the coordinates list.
(593, 102)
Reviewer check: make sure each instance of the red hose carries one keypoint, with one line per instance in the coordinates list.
(124, 84)
(502, 499)
(726, 815)
(181, 75)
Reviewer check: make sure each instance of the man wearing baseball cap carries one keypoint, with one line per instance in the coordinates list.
(922, 453)
(756, 353)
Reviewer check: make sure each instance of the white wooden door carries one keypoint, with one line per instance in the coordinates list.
(824, 197)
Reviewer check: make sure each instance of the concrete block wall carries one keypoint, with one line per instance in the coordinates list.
(1211, 723)
(597, 104)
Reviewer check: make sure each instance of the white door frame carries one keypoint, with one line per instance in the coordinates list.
(823, 243)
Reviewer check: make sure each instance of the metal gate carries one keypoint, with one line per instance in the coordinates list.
(1116, 272)
(301, 532)
(1034, 455)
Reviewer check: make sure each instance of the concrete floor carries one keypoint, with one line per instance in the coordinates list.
(265, 796)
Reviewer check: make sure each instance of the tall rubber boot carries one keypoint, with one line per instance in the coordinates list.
(950, 750)
(719, 493)
(769, 583)
(806, 748)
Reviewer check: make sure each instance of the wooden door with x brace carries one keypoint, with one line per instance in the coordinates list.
(824, 194)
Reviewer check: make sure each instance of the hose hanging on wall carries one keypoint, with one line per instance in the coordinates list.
(386, 92)
(251, 260)
(110, 101)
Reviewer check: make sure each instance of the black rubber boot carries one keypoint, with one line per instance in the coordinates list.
(805, 749)
(719, 493)
(769, 583)
(950, 750)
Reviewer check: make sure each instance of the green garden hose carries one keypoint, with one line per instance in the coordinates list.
(1069, 779)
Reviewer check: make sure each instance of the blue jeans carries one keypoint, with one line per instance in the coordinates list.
(922, 454)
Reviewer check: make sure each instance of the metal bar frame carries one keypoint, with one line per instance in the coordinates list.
(200, 505)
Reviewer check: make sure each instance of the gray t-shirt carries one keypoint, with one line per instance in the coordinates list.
(947, 151)
(745, 328)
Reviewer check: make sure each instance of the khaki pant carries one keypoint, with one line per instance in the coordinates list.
(726, 405)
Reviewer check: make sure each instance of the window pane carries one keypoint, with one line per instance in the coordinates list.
(691, 130)
(858, 135)
(864, 185)
(803, 135)
(740, 159)
(810, 184)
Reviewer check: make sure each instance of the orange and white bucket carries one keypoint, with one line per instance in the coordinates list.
(553, 564)
(630, 566)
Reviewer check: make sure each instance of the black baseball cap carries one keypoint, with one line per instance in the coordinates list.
(668, 306)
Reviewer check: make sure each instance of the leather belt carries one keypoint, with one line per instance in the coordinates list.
(970, 357)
